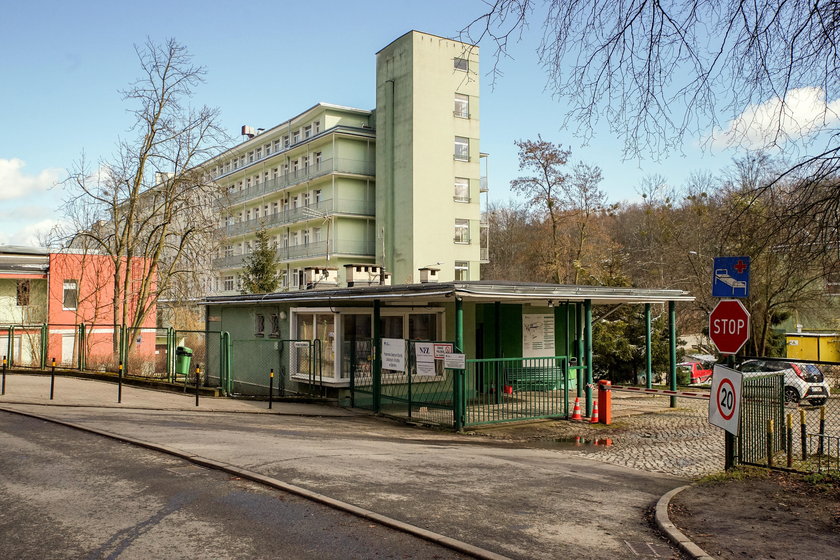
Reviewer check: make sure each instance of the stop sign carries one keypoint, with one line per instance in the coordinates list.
(729, 326)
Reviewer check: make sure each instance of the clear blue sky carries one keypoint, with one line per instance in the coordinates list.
(63, 64)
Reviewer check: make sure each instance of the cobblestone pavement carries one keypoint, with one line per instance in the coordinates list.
(646, 434)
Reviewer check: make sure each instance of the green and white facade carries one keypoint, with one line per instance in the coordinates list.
(397, 187)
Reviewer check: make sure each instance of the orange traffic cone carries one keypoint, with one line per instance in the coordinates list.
(594, 419)
(576, 410)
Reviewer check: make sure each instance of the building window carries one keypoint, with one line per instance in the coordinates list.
(228, 283)
(277, 145)
(228, 250)
(251, 157)
(317, 161)
(295, 277)
(462, 271)
(316, 195)
(23, 293)
(274, 206)
(317, 126)
(462, 106)
(462, 231)
(462, 189)
(275, 325)
(286, 141)
(461, 64)
(307, 131)
(296, 137)
(316, 234)
(70, 298)
(258, 153)
(306, 237)
(462, 148)
(259, 326)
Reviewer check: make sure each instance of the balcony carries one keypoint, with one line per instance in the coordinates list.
(322, 248)
(324, 209)
(325, 167)
(485, 255)
(311, 250)
(482, 185)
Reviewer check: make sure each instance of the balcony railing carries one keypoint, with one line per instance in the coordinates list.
(482, 185)
(485, 255)
(307, 173)
(308, 250)
(323, 208)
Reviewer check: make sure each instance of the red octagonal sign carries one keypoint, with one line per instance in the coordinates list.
(729, 326)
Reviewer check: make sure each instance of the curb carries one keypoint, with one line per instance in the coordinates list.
(663, 522)
(448, 542)
(264, 412)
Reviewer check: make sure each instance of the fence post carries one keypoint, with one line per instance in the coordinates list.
(789, 440)
(770, 435)
(803, 430)
(3, 392)
(587, 336)
(648, 357)
(353, 373)
(821, 448)
(270, 388)
(458, 398)
(44, 341)
(119, 384)
(82, 347)
(228, 358)
(12, 346)
(672, 345)
(52, 380)
(197, 378)
(377, 355)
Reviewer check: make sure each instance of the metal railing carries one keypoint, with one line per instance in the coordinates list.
(322, 209)
(306, 173)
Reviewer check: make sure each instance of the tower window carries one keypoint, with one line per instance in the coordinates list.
(461, 64)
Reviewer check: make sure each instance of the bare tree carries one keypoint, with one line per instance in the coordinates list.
(150, 208)
(657, 71)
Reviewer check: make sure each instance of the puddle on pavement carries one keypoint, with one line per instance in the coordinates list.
(576, 442)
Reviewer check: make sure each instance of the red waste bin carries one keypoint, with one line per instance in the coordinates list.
(605, 401)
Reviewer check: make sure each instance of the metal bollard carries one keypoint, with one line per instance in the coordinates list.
(119, 384)
(270, 388)
(3, 391)
(789, 440)
(52, 380)
(770, 433)
(197, 378)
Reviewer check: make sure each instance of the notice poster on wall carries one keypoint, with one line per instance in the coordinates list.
(425, 354)
(393, 354)
(537, 335)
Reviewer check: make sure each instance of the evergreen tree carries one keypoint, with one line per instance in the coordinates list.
(260, 271)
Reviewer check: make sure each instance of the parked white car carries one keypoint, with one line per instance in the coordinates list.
(802, 381)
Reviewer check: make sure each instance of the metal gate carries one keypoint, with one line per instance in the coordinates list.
(508, 389)
(762, 400)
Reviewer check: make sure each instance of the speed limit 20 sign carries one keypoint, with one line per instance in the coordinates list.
(725, 399)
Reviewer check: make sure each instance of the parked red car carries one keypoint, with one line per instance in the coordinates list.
(701, 372)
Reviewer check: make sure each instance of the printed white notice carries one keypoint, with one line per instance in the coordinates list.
(425, 354)
(393, 354)
(537, 336)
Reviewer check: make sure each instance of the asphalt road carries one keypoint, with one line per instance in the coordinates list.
(69, 494)
(522, 503)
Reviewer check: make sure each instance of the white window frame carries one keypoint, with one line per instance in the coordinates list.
(461, 189)
(462, 231)
(70, 286)
(462, 148)
(462, 106)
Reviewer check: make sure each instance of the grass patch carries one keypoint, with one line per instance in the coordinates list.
(826, 480)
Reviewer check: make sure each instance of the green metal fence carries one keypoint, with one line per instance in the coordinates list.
(487, 391)
(762, 400)
(783, 429)
(508, 389)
